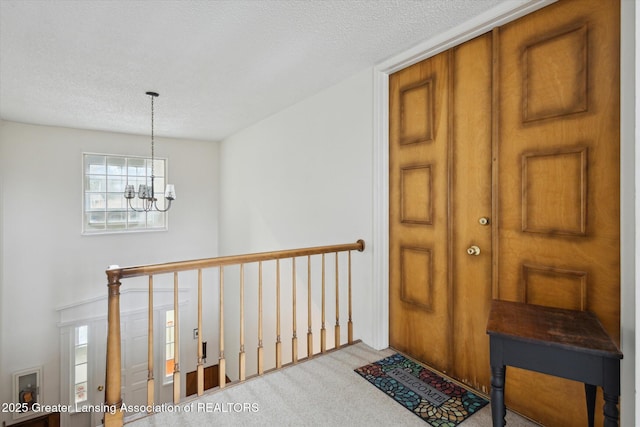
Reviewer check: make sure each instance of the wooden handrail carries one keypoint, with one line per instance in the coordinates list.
(117, 272)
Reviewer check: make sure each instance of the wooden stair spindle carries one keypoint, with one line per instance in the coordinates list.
(176, 345)
(221, 362)
(278, 342)
(294, 339)
(309, 330)
(323, 331)
(150, 379)
(337, 328)
(200, 369)
(350, 322)
(260, 347)
(241, 356)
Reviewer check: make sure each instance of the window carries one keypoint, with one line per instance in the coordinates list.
(105, 210)
(80, 364)
(169, 354)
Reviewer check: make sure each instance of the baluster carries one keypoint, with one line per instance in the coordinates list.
(350, 323)
(309, 331)
(323, 331)
(200, 374)
(176, 345)
(113, 393)
(278, 342)
(260, 348)
(294, 340)
(241, 361)
(221, 362)
(337, 328)
(150, 380)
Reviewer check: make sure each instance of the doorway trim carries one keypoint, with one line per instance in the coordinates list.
(497, 16)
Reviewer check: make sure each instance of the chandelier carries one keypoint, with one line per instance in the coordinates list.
(146, 193)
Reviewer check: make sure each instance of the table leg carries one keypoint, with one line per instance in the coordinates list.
(610, 410)
(498, 408)
(590, 392)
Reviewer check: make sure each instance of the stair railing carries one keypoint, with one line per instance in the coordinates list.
(114, 416)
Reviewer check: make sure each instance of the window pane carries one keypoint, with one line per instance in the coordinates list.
(81, 373)
(95, 201)
(136, 167)
(95, 164)
(116, 201)
(159, 167)
(115, 184)
(95, 183)
(155, 219)
(80, 391)
(159, 184)
(116, 166)
(81, 354)
(116, 219)
(169, 367)
(137, 219)
(95, 220)
(81, 334)
(169, 351)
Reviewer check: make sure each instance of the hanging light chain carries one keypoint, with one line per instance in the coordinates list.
(152, 137)
(147, 193)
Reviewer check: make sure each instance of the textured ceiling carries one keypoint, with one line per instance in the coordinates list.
(219, 66)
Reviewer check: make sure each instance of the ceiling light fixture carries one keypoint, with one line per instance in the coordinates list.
(146, 193)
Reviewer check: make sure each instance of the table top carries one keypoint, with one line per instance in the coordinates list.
(570, 329)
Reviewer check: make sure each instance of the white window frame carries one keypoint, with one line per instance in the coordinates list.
(96, 187)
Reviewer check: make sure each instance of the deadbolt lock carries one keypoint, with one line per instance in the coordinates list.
(473, 250)
(484, 221)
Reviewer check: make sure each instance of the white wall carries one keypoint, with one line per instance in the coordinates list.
(47, 263)
(303, 178)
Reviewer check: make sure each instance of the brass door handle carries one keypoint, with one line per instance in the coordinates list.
(473, 250)
(100, 388)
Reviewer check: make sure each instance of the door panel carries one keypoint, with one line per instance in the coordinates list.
(558, 179)
(418, 174)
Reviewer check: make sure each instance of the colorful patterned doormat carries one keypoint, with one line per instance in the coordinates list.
(436, 400)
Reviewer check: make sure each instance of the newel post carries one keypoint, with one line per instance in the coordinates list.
(113, 416)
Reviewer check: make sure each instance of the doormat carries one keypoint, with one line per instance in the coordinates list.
(436, 400)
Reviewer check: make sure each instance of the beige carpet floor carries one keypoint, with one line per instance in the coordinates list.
(323, 391)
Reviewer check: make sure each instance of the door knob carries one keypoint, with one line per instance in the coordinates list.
(484, 221)
(100, 388)
(473, 250)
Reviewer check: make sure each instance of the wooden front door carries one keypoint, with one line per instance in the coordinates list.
(519, 130)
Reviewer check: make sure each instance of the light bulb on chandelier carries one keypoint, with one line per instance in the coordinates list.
(146, 193)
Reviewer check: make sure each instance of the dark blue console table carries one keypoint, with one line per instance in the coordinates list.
(564, 343)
